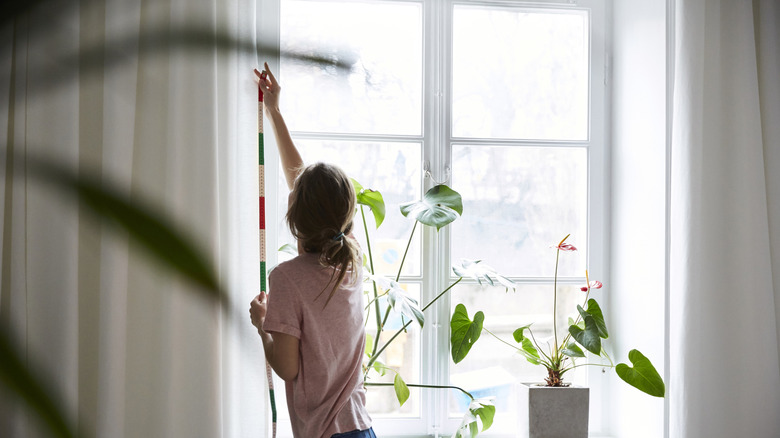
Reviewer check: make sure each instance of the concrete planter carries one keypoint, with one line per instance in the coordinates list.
(547, 412)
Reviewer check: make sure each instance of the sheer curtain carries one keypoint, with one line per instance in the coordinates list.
(725, 220)
(98, 86)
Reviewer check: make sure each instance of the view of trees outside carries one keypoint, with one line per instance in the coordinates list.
(520, 128)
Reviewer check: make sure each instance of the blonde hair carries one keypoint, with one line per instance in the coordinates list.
(320, 215)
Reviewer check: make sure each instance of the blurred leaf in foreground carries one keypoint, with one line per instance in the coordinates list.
(16, 376)
(150, 230)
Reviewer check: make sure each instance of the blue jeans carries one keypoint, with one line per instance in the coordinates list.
(368, 433)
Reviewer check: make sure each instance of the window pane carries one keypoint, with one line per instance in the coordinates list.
(520, 73)
(402, 355)
(391, 168)
(493, 368)
(517, 203)
(382, 42)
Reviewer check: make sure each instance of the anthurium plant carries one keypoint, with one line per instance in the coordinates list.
(587, 330)
(439, 207)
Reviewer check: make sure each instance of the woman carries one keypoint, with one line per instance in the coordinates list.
(312, 323)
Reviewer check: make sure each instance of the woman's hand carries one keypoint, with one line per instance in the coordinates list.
(257, 310)
(281, 350)
(270, 88)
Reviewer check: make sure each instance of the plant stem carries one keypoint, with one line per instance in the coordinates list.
(400, 268)
(416, 385)
(555, 305)
(603, 350)
(442, 293)
(374, 299)
(603, 365)
(408, 244)
(538, 348)
(521, 351)
(376, 294)
(576, 321)
(402, 329)
(505, 342)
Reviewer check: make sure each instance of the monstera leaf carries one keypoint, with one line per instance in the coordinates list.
(479, 272)
(400, 299)
(371, 199)
(482, 408)
(440, 206)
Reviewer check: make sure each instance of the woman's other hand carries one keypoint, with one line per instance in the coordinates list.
(257, 310)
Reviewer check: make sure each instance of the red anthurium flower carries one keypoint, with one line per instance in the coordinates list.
(592, 285)
(566, 247)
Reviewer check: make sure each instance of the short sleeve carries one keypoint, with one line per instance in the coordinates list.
(284, 306)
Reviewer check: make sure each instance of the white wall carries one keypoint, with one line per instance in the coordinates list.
(638, 202)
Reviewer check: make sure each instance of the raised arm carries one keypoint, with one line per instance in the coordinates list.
(292, 163)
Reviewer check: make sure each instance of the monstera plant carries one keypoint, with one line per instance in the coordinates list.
(439, 207)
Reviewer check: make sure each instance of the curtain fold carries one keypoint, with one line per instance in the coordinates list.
(724, 245)
(98, 86)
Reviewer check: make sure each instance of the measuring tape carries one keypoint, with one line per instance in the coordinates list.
(263, 278)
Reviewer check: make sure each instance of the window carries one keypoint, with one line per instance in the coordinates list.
(503, 101)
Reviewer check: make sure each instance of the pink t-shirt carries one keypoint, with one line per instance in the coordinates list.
(328, 395)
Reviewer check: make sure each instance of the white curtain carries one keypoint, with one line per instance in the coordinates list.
(725, 220)
(126, 345)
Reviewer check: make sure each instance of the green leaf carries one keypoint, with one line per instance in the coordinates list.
(485, 410)
(401, 390)
(151, 231)
(440, 206)
(473, 429)
(595, 311)
(482, 408)
(573, 350)
(379, 367)
(643, 376)
(530, 352)
(371, 199)
(588, 338)
(518, 334)
(465, 332)
(288, 249)
(16, 376)
(369, 344)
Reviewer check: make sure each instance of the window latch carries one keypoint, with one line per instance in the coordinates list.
(429, 174)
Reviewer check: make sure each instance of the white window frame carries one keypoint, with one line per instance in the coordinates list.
(437, 140)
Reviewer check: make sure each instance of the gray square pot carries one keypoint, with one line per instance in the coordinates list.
(548, 412)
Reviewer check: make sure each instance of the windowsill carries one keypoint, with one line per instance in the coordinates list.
(590, 435)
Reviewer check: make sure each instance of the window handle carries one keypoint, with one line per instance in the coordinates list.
(429, 174)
